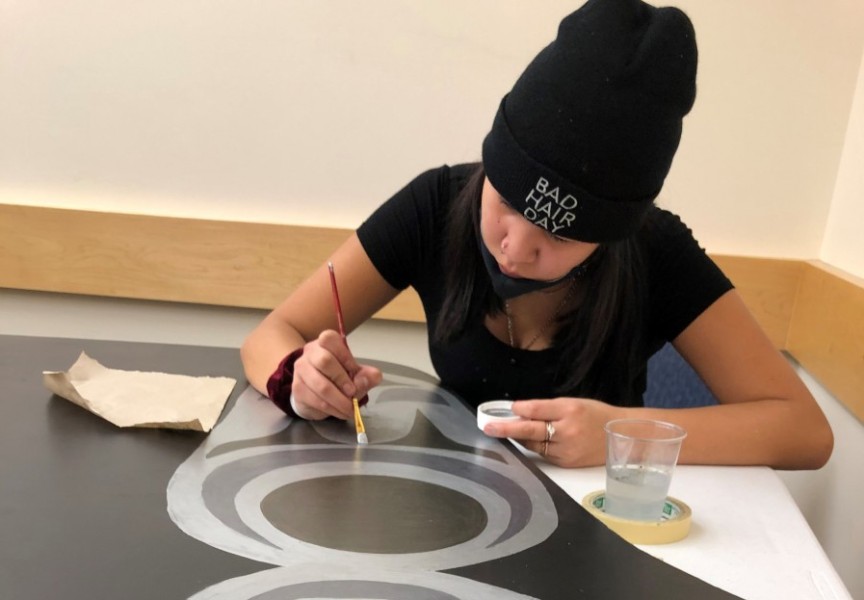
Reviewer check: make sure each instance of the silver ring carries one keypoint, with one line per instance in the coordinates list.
(550, 431)
(545, 448)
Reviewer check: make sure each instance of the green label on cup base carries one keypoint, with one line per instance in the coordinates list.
(670, 509)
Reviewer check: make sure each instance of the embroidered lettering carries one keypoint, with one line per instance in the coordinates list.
(547, 209)
(535, 197)
(569, 202)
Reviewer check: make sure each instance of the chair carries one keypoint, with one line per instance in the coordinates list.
(672, 382)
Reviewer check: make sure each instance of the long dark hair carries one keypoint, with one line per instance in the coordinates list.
(600, 336)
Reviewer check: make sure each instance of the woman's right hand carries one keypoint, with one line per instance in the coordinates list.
(327, 377)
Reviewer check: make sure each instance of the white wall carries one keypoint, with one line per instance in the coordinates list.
(831, 497)
(843, 246)
(297, 111)
(759, 156)
(314, 111)
(89, 317)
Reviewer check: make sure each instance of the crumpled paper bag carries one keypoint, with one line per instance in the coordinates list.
(142, 399)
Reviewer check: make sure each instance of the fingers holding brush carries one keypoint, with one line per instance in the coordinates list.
(353, 378)
(323, 382)
(322, 385)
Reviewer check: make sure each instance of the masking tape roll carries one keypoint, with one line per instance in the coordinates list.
(672, 527)
(495, 411)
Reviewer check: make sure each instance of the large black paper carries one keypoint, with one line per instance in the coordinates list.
(431, 509)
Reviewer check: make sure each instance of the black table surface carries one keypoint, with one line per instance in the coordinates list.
(82, 502)
(83, 508)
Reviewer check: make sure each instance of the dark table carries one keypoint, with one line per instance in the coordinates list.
(82, 507)
(83, 503)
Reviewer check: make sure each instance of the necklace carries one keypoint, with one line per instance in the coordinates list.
(545, 326)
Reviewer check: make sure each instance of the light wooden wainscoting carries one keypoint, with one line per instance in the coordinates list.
(826, 333)
(814, 312)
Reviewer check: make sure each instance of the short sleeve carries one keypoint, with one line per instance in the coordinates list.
(400, 236)
(683, 281)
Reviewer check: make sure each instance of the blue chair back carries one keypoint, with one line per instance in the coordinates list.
(672, 382)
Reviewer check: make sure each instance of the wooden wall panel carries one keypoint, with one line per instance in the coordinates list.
(827, 332)
(249, 265)
(768, 287)
(807, 308)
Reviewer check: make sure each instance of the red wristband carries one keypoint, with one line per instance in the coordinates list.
(279, 384)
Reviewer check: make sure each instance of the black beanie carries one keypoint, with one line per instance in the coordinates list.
(582, 143)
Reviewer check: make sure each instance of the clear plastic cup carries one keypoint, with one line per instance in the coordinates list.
(640, 457)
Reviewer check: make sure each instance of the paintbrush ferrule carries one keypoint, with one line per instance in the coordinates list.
(362, 438)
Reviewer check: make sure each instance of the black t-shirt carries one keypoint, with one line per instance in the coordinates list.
(404, 239)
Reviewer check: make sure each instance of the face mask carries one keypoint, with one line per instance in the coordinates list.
(509, 287)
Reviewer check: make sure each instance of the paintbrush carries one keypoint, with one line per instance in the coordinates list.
(362, 438)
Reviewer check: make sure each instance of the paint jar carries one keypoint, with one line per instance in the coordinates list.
(495, 411)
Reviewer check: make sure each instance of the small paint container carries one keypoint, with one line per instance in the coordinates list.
(495, 411)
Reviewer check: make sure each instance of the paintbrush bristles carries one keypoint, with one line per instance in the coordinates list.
(362, 438)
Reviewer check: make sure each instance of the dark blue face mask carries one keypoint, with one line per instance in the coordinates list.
(510, 287)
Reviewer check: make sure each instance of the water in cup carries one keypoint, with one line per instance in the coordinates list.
(636, 491)
(640, 457)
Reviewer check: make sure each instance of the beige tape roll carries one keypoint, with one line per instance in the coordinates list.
(672, 527)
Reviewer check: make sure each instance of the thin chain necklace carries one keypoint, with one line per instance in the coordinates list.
(546, 325)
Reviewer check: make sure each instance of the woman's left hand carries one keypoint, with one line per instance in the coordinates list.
(576, 426)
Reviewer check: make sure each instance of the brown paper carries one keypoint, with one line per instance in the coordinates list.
(142, 399)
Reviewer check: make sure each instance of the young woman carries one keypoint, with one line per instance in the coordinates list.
(547, 274)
